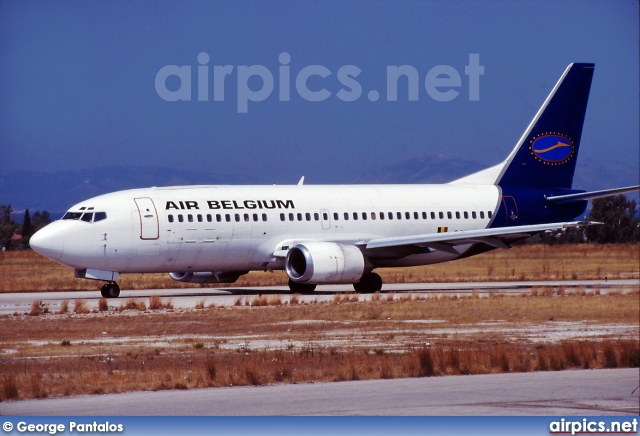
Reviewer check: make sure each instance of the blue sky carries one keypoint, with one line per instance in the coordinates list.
(78, 83)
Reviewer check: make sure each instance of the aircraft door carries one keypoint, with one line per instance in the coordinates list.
(326, 219)
(149, 226)
(511, 210)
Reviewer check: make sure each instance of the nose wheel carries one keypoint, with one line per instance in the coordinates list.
(110, 290)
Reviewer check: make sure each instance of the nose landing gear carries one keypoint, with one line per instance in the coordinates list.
(110, 290)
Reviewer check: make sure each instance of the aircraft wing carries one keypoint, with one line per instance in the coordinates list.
(495, 237)
(570, 198)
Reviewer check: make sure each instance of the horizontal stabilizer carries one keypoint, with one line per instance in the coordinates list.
(581, 196)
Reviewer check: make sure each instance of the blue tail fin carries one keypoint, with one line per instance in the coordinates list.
(545, 156)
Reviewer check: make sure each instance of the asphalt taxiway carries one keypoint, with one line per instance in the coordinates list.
(187, 298)
(585, 392)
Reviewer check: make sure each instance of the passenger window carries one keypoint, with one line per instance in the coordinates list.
(390, 215)
(255, 217)
(355, 215)
(246, 217)
(346, 216)
(466, 215)
(190, 218)
(325, 216)
(87, 217)
(307, 216)
(424, 215)
(291, 217)
(99, 216)
(170, 218)
(407, 215)
(381, 215)
(237, 217)
(364, 216)
(264, 217)
(199, 218)
(227, 217)
(373, 215)
(489, 213)
(433, 215)
(299, 216)
(282, 218)
(473, 215)
(482, 214)
(458, 215)
(399, 215)
(449, 215)
(209, 218)
(335, 216)
(218, 217)
(180, 218)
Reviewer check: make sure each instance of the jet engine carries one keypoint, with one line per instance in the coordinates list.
(207, 277)
(324, 262)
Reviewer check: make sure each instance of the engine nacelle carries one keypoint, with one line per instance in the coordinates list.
(207, 277)
(324, 262)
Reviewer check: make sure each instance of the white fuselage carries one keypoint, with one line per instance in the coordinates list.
(241, 228)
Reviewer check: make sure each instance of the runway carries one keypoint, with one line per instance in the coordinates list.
(11, 303)
(586, 392)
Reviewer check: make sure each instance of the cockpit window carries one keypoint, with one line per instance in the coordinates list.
(86, 216)
(72, 216)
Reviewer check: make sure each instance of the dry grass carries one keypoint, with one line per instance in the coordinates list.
(64, 307)
(24, 271)
(80, 306)
(409, 335)
(133, 304)
(99, 374)
(38, 308)
(156, 303)
(103, 305)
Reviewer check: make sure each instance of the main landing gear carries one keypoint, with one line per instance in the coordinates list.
(301, 288)
(368, 284)
(110, 290)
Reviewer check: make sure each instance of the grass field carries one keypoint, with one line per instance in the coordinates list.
(26, 271)
(145, 344)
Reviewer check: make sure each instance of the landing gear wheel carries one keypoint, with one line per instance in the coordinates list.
(301, 288)
(110, 290)
(368, 284)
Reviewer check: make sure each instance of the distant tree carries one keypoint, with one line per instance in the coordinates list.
(26, 226)
(619, 215)
(7, 225)
(568, 236)
(30, 225)
(5, 214)
(40, 219)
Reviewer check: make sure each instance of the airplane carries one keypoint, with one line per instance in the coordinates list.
(334, 234)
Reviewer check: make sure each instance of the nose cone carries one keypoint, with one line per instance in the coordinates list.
(49, 241)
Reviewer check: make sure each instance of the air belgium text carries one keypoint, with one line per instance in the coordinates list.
(231, 204)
